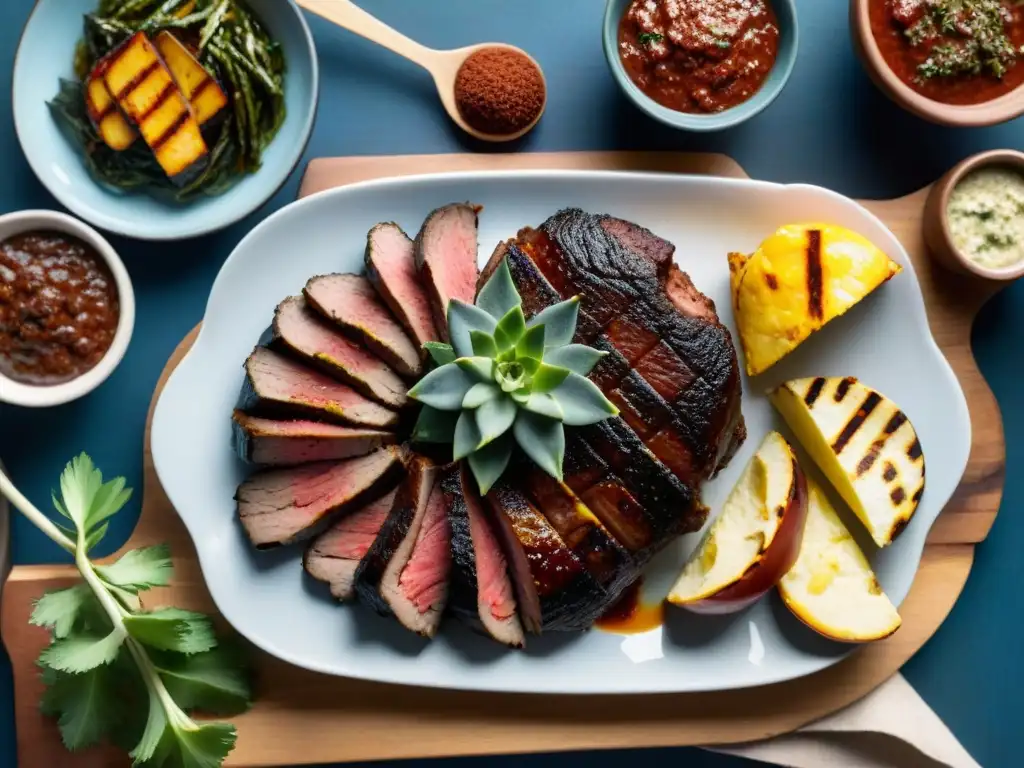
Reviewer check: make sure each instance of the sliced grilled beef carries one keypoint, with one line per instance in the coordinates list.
(282, 506)
(286, 443)
(299, 330)
(278, 387)
(334, 556)
(604, 558)
(553, 588)
(405, 572)
(391, 268)
(482, 591)
(642, 241)
(351, 303)
(446, 256)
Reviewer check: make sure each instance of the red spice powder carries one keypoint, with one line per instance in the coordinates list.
(499, 91)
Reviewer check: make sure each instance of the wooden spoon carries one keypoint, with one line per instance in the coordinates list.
(442, 65)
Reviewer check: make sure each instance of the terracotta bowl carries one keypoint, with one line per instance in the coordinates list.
(987, 113)
(935, 222)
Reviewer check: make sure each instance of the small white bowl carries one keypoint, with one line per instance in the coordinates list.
(31, 396)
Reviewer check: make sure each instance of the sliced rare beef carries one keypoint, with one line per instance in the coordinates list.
(284, 443)
(641, 240)
(334, 556)
(391, 268)
(351, 303)
(604, 557)
(482, 592)
(554, 590)
(298, 330)
(405, 573)
(278, 387)
(283, 506)
(446, 256)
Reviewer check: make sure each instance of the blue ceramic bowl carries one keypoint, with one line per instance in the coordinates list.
(45, 55)
(785, 10)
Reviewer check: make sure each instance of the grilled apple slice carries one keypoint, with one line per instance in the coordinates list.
(832, 588)
(148, 96)
(755, 539)
(800, 278)
(864, 444)
(196, 83)
(117, 132)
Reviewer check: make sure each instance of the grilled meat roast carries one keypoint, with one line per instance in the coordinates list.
(535, 554)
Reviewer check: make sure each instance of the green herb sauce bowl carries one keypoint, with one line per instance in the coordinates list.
(789, 40)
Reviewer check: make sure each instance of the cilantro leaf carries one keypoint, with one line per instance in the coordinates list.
(214, 682)
(172, 629)
(155, 731)
(61, 609)
(85, 705)
(139, 569)
(107, 501)
(79, 484)
(201, 746)
(95, 537)
(82, 652)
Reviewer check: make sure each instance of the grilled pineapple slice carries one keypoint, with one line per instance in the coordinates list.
(800, 278)
(196, 84)
(117, 132)
(831, 587)
(864, 444)
(148, 96)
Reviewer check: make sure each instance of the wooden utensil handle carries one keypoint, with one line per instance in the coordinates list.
(350, 16)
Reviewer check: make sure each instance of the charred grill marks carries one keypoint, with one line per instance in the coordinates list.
(870, 403)
(815, 280)
(814, 391)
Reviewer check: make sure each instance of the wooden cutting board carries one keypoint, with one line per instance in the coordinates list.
(305, 718)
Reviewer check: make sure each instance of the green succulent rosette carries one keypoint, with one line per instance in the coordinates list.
(505, 381)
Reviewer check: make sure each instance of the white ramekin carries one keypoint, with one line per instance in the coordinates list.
(31, 396)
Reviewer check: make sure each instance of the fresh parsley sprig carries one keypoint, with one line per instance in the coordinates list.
(114, 670)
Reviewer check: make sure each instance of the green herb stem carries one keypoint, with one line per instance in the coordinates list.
(37, 518)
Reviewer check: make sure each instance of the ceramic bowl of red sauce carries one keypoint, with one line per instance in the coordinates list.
(701, 65)
(67, 309)
(951, 62)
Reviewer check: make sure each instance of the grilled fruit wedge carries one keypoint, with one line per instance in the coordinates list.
(798, 280)
(196, 84)
(864, 444)
(115, 130)
(755, 539)
(832, 588)
(146, 93)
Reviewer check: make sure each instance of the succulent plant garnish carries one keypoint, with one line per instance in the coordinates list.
(505, 380)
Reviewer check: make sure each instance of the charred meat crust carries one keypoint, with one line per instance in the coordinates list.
(396, 281)
(351, 303)
(396, 537)
(553, 588)
(300, 332)
(473, 598)
(285, 506)
(278, 387)
(446, 257)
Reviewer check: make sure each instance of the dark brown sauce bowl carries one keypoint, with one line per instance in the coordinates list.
(998, 110)
(40, 396)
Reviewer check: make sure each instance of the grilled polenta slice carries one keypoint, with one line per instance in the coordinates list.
(863, 443)
(800, 278)
(196, 84)
(117, 132)
(148, 96)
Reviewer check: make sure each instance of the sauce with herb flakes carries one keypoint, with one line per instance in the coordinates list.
(699, 56)
(985, 216)
(952, 51)
(59, 308)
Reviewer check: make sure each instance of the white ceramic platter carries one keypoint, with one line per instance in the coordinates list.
(885, 341)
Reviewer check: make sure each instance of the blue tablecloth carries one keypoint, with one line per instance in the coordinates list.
(830, 127)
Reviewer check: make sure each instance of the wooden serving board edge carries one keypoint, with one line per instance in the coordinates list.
(306, 718)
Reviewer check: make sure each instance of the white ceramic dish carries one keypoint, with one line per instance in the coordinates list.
(16, 393)
(885, 342)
